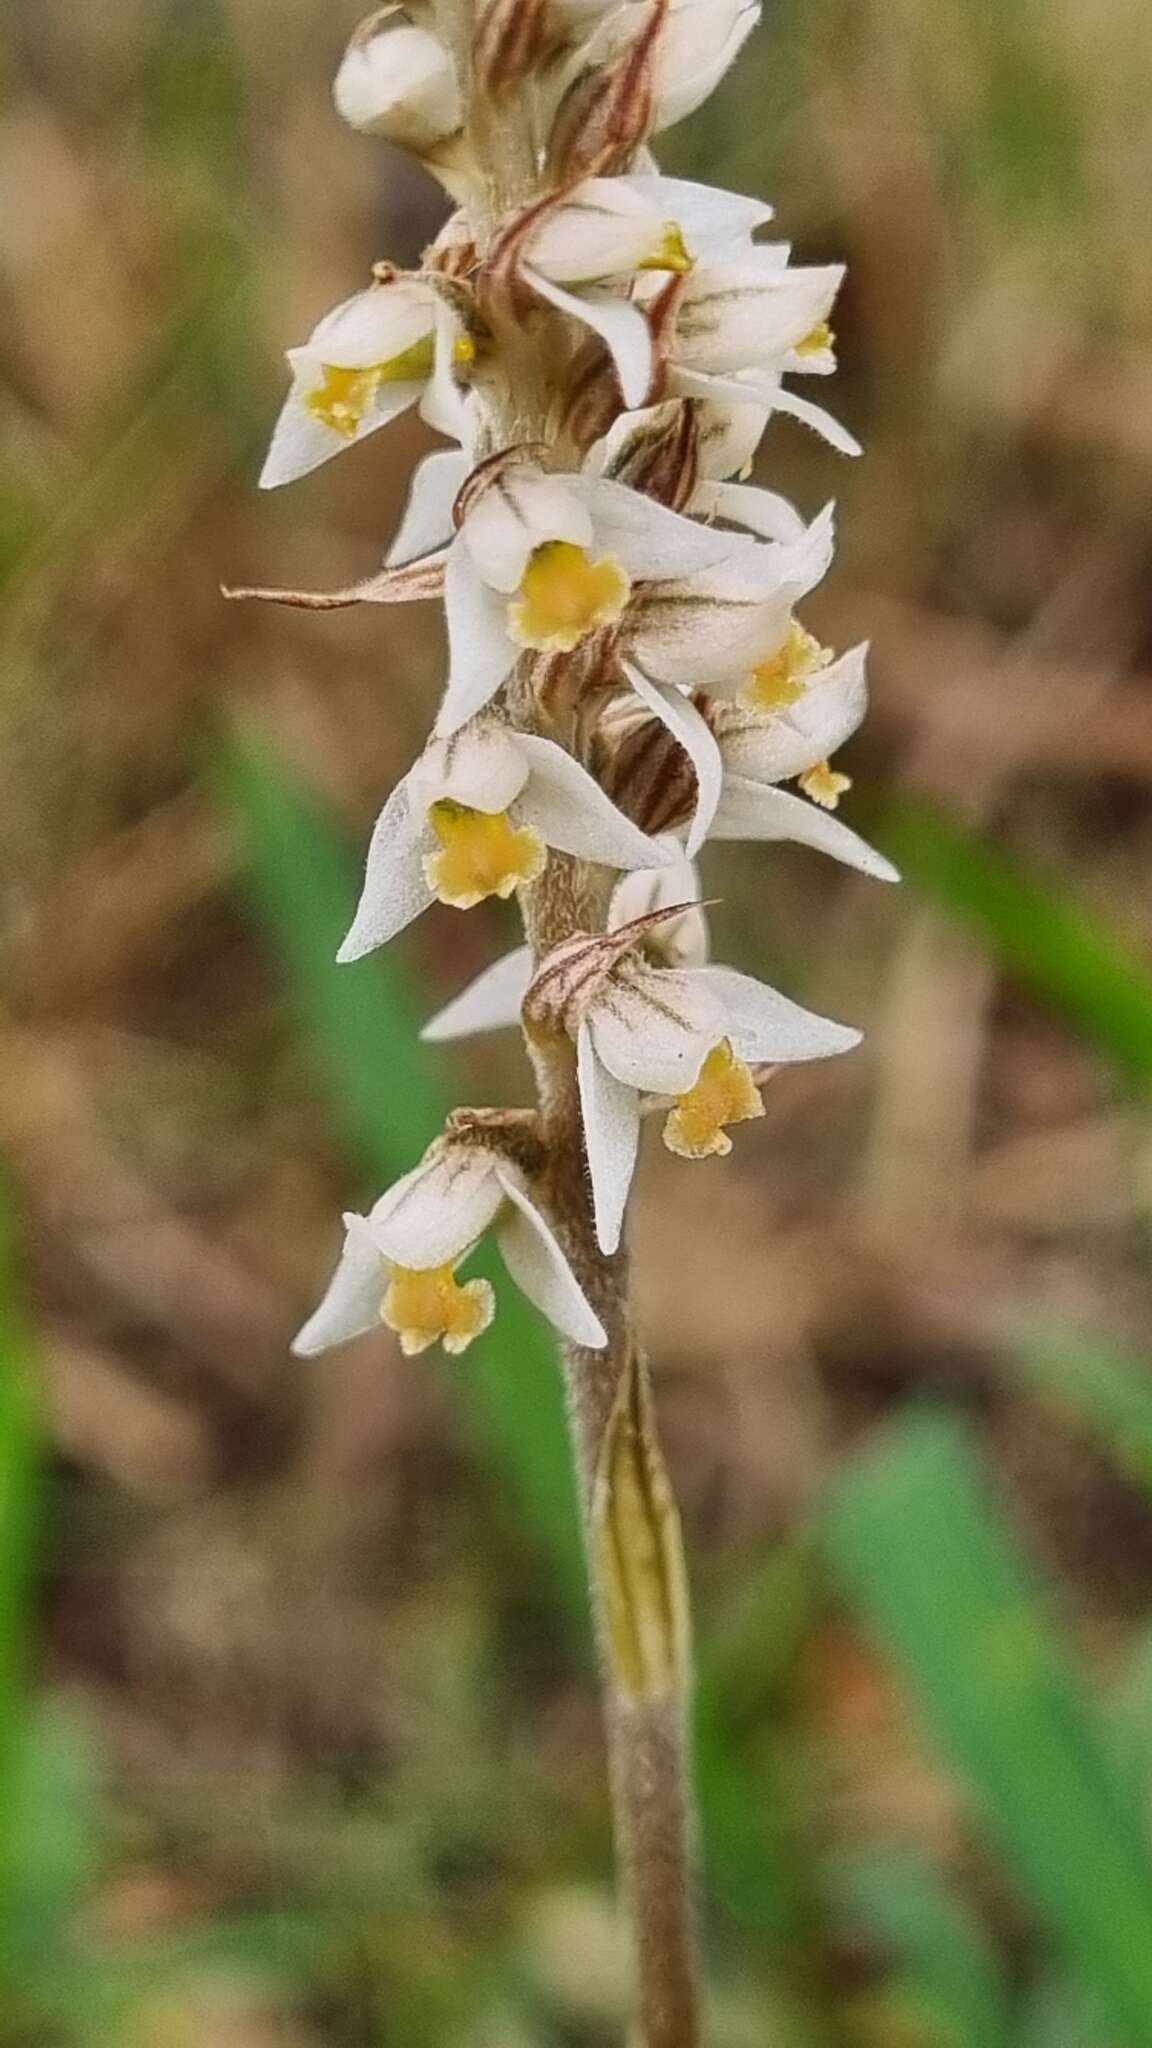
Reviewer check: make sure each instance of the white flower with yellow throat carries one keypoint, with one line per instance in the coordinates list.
(399, 1263)
(474, 818)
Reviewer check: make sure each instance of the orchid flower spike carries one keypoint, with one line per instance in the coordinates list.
(689, 1034)
(474, 818)
(399, 1262)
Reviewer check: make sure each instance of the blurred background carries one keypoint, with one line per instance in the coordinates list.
(298, 1734)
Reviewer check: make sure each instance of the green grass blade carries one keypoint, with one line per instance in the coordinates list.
(1103, 1390)
(916, 1541)
(19, 1502)
(361, 1023)
(1060, 949)
(940, 1951)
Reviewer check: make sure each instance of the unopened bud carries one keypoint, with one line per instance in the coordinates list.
(398, 80)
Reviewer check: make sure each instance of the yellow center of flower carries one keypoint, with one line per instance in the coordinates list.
(426, 1305)
(669, 252)
(481, 854)
(816, 341)
(780, 680)
(723, 1093)
(464, 349)
(564, 595)
(344, 397)
(825, 785)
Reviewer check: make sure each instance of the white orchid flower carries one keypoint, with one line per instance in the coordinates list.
(366, 362)
(492, 1002)
(398, 1265)
(608, 231)
(397, 79)
(474, 818)
(690, 1034)
(541, 562)
(790, 730)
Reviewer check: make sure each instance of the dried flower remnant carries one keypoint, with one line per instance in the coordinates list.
(602, 349)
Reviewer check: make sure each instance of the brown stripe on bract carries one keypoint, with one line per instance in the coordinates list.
(648, 775)
(606, 115)
(571, 974)
(510, 40)
(662, 459)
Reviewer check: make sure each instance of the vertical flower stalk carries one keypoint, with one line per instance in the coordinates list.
(601, 349)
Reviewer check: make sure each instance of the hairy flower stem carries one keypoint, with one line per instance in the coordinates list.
(632, 1541)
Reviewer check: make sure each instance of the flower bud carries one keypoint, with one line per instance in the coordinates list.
(398, 80)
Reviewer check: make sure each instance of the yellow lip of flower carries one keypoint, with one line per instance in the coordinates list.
(816, 342)
(565, 595)
(723, 1093)
(428, 1305)
(344, 397)
(824, 785)
(481, 854)
(781, 679)
(669, 252)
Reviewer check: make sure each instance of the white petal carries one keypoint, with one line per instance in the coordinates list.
(684, 722)
(394, 890)
(571, 812)
(517, 511)
(427, 520)
(610, 1113)
(653, 1027)
(300, 442)
(445, 405)
(351, 1303)
(650, 542)
(540, 1270)
(764, 513)
(490, 1003)
(620, 325)
(729, 436)
(734, 318)
(710, 630)
(485, 765)
(755, 810)
(774, 747)
(480, 652)
(764, 1025)
(819, 420)
(433, 1215)
(709, 219)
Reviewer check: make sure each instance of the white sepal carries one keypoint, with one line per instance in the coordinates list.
(398, 80)
(610, 1114)
(484, 766)
(539, 1268)
(682, 942)
(395, 890)
(650, 542)
(678, 713)
(490, 1003)
(758, 811)
(426, 523)
(713, 222)
(480, 653)
(351, 1302)
(772, 747)
(763, 1025)
(571, 812)
(621, 326)
(607, 227)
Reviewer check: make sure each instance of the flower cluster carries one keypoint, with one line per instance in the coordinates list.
(628, 675)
